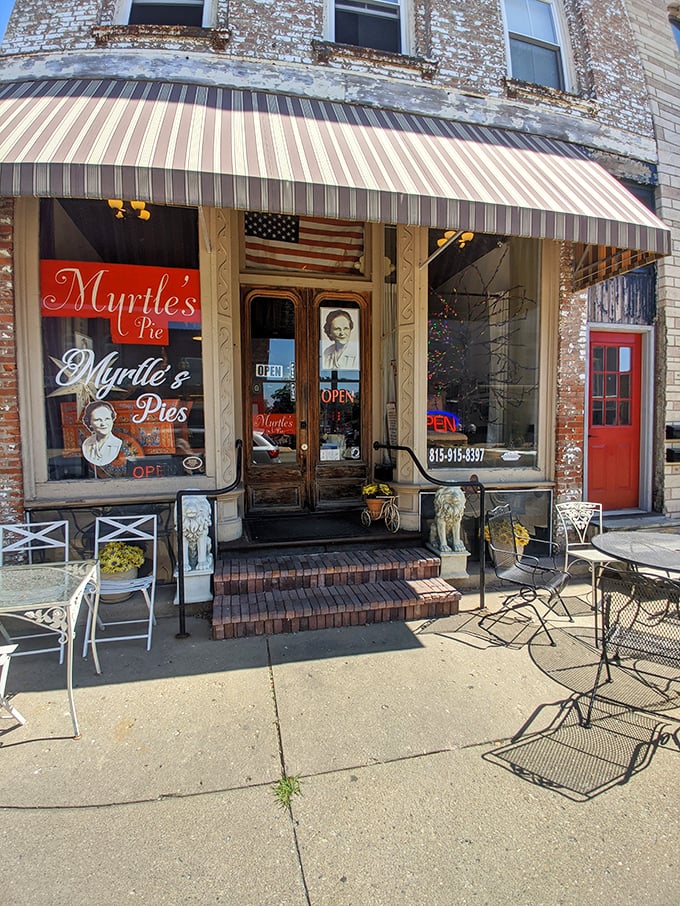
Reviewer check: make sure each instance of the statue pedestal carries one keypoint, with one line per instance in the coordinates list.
(454, 565)
(196, 586)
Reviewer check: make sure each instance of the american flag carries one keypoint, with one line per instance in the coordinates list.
(302, 243)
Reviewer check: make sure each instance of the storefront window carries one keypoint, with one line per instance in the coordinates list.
(483, 330)
(121, 334)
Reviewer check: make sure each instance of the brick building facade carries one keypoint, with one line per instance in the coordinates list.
(454, 69)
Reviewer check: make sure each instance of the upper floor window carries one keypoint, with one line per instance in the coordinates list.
(161, 12)
(675, 26)
(377, 24)
(535, 43)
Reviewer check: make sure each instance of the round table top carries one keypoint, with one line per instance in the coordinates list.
(656, 550)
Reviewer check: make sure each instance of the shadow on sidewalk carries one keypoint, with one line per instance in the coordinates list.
(577, 762)
(553, 750)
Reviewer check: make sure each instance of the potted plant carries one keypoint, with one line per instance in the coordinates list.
(119, 562)
(374, 493)
(522, 537)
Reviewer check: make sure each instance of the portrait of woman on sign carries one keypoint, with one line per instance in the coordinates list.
(343, 352)
(103, 449)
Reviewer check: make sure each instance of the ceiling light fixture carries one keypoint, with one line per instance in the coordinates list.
(460, 237)
(139, 207)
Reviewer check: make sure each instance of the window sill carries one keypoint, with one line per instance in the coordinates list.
(325, 51)
(215, 38)
(527, 91)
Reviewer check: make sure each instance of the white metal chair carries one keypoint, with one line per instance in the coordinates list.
(34, 542)
(579, 520)
(141, 531)
(6, 652)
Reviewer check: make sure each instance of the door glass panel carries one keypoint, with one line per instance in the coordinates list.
(624, 386)
(272, 380)
(611, 384)
(624, 358)
(339, 381)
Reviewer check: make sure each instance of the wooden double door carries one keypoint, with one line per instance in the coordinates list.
(306, 392)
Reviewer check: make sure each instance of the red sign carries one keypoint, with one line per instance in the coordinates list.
(138, 301)
(274, 422)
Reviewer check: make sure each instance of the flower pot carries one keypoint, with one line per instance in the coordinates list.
(113, 598)
(374, 506)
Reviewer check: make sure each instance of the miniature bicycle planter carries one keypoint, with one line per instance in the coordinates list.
(382, 508)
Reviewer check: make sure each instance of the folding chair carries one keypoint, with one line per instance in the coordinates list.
(6, 652)
(34, 542)
(578, 521)
(143, 532)
(536, 578)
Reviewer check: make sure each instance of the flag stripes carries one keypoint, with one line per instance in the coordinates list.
(302, 243)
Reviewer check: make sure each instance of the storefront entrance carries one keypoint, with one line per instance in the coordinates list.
(306, 398)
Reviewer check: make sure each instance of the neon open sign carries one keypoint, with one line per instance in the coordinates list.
(442, 422)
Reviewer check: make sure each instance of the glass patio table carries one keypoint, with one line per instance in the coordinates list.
(654, 550)
(49, 595)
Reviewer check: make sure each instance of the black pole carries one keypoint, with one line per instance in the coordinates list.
(452, 484)
(179, 510)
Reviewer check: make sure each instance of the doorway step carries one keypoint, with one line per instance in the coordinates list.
(293, 592)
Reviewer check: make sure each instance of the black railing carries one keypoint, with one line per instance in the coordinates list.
(212, 497)
(443, 482)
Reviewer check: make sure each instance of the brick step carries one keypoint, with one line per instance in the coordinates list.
(311, 570)
(323, 607)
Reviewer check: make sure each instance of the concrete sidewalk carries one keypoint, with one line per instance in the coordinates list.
(439, 763)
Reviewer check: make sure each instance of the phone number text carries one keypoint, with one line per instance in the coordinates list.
(444, 456)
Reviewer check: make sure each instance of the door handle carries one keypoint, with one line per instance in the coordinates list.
(304, 447)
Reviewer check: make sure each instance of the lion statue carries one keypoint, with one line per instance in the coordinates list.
(196, 522)
(449, 504)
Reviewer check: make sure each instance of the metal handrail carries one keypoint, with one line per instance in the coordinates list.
(212, 496)
(451, 484)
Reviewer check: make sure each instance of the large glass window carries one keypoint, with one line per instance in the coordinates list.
(376, 24)
(483, 324)
(121, 335)
(533, 36)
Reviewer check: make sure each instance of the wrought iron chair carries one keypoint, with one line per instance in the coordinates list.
(537, 579)
(6, 652)
(579, 520)
(141, 531)
(34, 542)
(641, 631)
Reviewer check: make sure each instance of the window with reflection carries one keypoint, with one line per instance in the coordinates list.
(121, 336)
(483, 333)
(272, 380)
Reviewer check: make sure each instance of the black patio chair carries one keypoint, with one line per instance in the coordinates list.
(640, 631)
(538, 579)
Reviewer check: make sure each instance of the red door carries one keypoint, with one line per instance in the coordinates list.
(614, 420)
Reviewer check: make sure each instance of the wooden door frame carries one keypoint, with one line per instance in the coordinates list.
(308, 340)
(646, 404)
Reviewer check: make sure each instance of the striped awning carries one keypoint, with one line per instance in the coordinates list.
(199, 145)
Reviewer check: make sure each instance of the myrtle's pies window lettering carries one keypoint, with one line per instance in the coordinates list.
(121, 336)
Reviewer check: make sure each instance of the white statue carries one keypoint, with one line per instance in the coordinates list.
(449, 504)
(196, 522)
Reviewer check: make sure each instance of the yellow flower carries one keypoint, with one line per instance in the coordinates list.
(521, 534)
(118, 557)
(376, 489)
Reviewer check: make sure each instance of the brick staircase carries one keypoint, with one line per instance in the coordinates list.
(292, 592)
